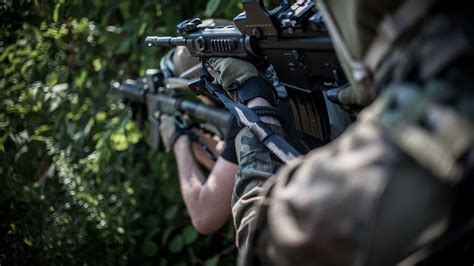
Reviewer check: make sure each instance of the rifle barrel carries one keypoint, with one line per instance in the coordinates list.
(165, 41)
(216, 116)
(136, 92)
(131, 90)
(201, 111)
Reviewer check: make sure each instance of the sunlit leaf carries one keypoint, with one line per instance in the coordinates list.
(97, 63)
(56, 12)
(100, 116)
(119, 142)
(81, 78)
(28, 241)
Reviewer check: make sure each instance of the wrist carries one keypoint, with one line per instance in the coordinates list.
(259, 101)
(255, 87)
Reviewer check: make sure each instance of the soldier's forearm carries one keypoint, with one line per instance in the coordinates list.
(190, 176)
(207, 200)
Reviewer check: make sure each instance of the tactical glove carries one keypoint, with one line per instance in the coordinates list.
(171, 128)
(240, 79)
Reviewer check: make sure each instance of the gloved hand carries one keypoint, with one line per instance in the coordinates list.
(227, 71)
(171, 128)
(240, 79)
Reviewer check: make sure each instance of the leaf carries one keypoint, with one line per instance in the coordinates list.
(56, 12)
(176, 244)
(119, 142)
(28, 241)
(124, 47)
(212, 261)
(97, 64)
(171, 212)
(149, 248)
(211, 7)
(166, 235)
(125, 9)
(152, 221)
(42, 129)
(100, 116)
(142, 29)
(81, 78)
(190, 235)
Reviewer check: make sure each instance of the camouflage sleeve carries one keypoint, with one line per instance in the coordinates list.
(343, 205)
(256, 165)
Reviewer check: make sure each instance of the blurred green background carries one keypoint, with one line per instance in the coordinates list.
(78, 183)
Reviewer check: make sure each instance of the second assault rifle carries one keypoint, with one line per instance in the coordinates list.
(149, 98)
(291, 37)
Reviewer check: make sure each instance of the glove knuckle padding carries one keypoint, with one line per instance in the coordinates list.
(241, 80)
(231, 70)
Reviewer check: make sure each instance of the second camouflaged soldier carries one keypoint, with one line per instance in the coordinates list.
(397, 186)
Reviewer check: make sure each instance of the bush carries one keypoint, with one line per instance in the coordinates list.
(78, 183)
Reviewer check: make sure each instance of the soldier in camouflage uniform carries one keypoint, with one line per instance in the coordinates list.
(397, 187)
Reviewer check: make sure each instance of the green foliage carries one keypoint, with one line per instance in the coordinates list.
(78, 184)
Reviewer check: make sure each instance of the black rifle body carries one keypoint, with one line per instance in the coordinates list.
(304, 63)
(294, 41)
(156, 103)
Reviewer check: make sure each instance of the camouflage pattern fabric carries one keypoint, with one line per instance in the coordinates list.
(256, 165)
(342, 205)
(227, 71)
(388, 186)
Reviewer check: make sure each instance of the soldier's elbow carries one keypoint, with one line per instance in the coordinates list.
(203, 225)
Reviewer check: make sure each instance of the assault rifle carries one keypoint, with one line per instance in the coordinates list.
(293, 40)
(291, 37)
(149, 98)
